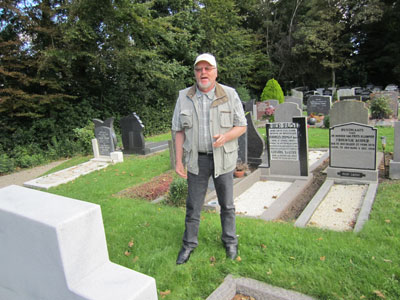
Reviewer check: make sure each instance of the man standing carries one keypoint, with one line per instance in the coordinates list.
(208, 119)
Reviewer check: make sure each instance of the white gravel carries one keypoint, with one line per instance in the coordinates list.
(340, 207)
(255, 200)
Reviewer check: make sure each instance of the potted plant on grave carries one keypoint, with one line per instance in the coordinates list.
(240, 169)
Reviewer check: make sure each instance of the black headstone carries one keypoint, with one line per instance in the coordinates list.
(132, 134)
(255, 143)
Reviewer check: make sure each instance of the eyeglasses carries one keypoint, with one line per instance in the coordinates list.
(206, 69)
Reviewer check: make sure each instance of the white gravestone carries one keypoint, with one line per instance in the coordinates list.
(54, 248)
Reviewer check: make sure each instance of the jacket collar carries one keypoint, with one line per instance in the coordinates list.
(219, 98)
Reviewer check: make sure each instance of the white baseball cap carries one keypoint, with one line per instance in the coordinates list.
(206, 57)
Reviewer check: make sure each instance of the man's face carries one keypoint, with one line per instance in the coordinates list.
(206, 76)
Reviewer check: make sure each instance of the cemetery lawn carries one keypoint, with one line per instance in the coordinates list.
(324, 264)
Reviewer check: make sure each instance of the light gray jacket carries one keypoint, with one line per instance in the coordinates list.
(221, 121)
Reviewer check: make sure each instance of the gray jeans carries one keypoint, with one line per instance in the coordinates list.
(197, 189)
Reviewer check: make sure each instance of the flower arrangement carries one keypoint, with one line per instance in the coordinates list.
(269, 113)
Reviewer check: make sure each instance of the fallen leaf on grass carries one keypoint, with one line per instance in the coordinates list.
(269, 272)
(127, 253)
(320, 239)
(379, 294)
(387, 221)
(387, 260)
(135, 259)
(130, 244)
(163, 294)
(292, 257)
(238, 258)
(322, 258)
(212, 259)
(263, 246)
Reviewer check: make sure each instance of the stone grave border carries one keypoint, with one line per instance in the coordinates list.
(274, 212)
(250, 287)
(366, 206)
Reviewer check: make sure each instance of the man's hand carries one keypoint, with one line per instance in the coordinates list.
(180, 170)
(219, 140)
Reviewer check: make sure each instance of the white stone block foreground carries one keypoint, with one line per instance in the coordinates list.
(54, 247)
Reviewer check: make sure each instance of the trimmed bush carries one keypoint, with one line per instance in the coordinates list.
(272, 90)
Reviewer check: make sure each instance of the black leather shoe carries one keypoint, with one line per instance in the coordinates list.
(231, 251)
(183, 255)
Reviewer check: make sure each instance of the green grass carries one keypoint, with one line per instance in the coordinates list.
(321, 263)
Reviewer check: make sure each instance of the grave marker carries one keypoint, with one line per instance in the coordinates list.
(284, 112)
(296, 100)
(54, 247)
(105, 135)
(394, 165)
(352, 152)
(317, 104)
(132, 137)
(255, 143)
(288, 147)
(348, 111)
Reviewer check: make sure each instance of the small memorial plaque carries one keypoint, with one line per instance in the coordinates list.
(353, 146)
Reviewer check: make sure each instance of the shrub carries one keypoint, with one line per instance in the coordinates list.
(7, 164)
(83, 137)
(380, 107)
(177, 192)
(272, 90)
(326, 122)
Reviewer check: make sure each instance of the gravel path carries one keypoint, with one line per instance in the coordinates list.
(18, 178)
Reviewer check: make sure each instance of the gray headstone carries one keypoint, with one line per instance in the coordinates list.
(344, 93)
(348, 111)
(288, 147)
(394, 165)
(285, 112)
(353, 146)
(297, 94)
(298, 101)
(396, 153)
(272, 102)
(355, 97)
(318, 104)
(105, 135)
